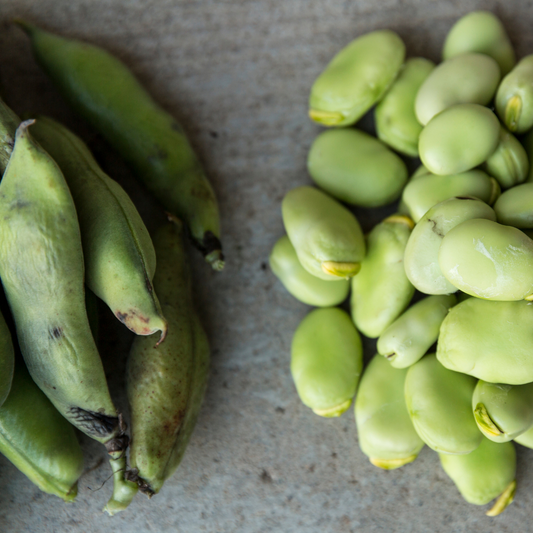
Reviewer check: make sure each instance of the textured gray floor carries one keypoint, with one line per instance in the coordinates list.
(237, 75)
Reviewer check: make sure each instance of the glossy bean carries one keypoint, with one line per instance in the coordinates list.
(356, 168)
(488, 260)
(465, 79)
(411, 335)
(384, 429)
(503, 412)
(515, 207)
(396, 122)
(356, 78)
(489, 340)
(482, 32)
(514, 99)
(304, 286)
(486, 473)
(439, 403)
(326, 236)
(326, 361)
(381, 290)
(422, 251)
(459, 138)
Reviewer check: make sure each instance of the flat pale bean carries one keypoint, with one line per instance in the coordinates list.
(356, 168)
(326, 361)
(489, 340)
(422, 251)
(458, 139)
(439, 403)
(486, 473)
(465, 79)
(381, 290)
(411, 335)
(396, 122)
(488, 260)
(480, 31)
(503, 412)
(326, 236)
(509, 163)
(430, 189)
(356, 78)
(514, 99)
(304, 286)
(515, 206)
(384, 429)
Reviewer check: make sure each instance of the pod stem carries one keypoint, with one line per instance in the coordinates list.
(504, 499)
(133, 476)
(123, 489)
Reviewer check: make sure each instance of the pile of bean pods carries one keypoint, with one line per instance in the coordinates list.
(64, 226)
(463, 225)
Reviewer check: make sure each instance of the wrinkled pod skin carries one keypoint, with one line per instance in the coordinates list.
(42, 272)
(481, 32)
(166, 384)
(488, 260)
(514, 99)
(304, 286)
(503, 412)
(489, 340)
(104, 91)
(479, 76)
(396, 122)
(118, 252)
(326, 361)
(326, 236)
(422, 251)
(38, 440)
(381, 290)
(411, 335)
(484, 474)
(439, 403)
(515, 207)
(385, 432)
(356, 78)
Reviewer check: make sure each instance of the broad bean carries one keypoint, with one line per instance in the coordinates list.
(515, 207)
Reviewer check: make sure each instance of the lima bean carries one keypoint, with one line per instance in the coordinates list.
(515, 207)
(326, 236)
(381, 290)
(356, 168)
(304, 286)
(356, 78)
(326, 361)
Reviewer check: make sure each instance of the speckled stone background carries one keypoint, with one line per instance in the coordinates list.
(237, 75)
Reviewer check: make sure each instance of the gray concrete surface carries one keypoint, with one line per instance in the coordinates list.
(237, 74)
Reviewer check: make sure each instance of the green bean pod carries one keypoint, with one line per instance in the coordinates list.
(422, 251)
(304, 286)
(356, 168)
(166, 384)
(105, 92)
(356, 78)
(396, 122)
(7, 360)
(503, 412)
(458, 139)
(118, 252)
(381, 290)
(326, 361)
(489, 340)
(484, 474)
(326, 236)
(421, 194)
(514, 99)
(465, 79)
(439, 403)
(488, 260)
(385, 432)
(413, 333)
(38, 440)
(509, 163)
(8, 126)
(515, 207)
(482, 32)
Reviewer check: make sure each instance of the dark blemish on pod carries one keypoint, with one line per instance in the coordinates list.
(121, 316)
(94, 424)
(434, 228)
(55, 333)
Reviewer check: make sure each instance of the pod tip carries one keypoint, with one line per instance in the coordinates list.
(26, 26)
(216, 260)
(335, 411)
(504, 499)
